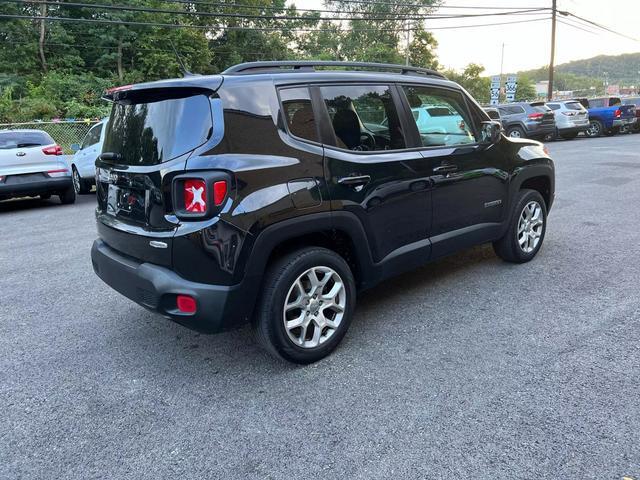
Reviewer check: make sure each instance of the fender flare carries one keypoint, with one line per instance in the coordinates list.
(274, 235)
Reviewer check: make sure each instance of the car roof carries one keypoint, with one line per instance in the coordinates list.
(23, 130)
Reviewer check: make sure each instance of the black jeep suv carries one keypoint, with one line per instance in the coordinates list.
(274, 192)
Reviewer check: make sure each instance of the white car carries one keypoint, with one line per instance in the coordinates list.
(441, 125)
(31, 164)
(83, 163)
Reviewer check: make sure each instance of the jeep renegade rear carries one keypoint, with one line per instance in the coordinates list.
(274, 192)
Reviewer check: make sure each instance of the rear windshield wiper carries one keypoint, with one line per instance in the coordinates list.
(110, 157)
(25, 145)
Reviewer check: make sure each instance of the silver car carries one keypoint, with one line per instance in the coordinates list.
(31, 164)
(571, 118)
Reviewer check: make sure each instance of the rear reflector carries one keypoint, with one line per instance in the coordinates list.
(186, 304)
(219, 192)
(52, 150)
(195, 196)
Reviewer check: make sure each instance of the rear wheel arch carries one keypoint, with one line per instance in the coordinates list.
(340, 232)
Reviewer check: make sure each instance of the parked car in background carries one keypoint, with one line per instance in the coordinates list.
(83, 163)
(494, 113)
(607, 115)
(31, 164)
(571, 118)
(635, 101)
(272, 192)
(527, 120)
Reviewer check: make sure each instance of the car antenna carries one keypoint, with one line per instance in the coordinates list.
(183, 69)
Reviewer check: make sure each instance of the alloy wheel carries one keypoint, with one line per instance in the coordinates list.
(515, 134)
(76, 180)
(314, 307)
(594, 129)
(530, 226)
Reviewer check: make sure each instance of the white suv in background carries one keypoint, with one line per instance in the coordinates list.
(571, 118)
(83, 163)
(31, 164)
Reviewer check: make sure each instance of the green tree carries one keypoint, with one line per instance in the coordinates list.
(472, 81)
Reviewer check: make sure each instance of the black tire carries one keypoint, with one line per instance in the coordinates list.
(515, 132)
(611, 132)
(280, 277)
(595, 129)
(68, 196)
(508, 247)
(569, 136)
(80, 185)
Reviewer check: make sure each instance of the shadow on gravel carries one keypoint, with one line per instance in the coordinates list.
(27, 203)
(236, 352)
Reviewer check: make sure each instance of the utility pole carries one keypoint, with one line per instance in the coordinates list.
(43, 60)
(406, 54)
(554, 11)
(501, 66)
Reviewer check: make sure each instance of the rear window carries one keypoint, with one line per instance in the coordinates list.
(158, 130)
(614, 101)
(9, 139)
(439, 112)
(539, 107)
(574, 106)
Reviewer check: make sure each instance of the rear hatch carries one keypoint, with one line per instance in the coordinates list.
(29, 153)
(542, 114)
(152, 131)
(576, 111)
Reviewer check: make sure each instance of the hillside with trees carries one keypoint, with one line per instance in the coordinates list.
(60, 68)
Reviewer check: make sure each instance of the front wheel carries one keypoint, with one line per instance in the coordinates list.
(515, 132)
(306, 305)
(79, 185)
(526, 230)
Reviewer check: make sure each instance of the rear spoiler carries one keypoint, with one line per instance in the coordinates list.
(172, 88)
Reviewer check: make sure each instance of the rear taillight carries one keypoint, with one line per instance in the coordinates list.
(536, 116)
(200, 195)
(219, 192)
(195, 196)
(52, 150)
(58, 172)
(617, 113)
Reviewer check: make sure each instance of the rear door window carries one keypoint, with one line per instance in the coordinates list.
(364, 117)
(10, 139)
(157, 127)
(442, 119)
(92, 137)
(298, 113)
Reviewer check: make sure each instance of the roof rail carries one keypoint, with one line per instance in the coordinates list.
(309, 65)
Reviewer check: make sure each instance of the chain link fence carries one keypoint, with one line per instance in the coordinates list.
(64, 133)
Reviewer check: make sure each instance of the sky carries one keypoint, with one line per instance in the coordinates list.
(527, 45)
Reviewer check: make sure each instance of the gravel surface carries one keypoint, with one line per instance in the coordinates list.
(467, 368)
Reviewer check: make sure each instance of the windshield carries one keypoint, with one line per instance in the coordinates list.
(158, 130)
(10, 139)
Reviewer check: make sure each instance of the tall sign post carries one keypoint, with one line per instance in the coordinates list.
(511, 87)
(495, 90)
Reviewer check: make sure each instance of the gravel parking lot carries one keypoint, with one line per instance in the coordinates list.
(467, 368)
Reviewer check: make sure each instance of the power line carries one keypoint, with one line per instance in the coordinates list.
(369, 16)
(602, 27)
(233, 28)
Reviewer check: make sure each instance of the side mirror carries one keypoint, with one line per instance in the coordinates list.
(75, 147)
(490, 132)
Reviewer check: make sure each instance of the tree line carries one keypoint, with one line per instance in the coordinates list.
(58, 68)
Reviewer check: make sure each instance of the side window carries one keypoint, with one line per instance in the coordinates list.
(596, 103)
(92, 137)
(364, 117)
(440, 115)
(493, 114)
(298, 113)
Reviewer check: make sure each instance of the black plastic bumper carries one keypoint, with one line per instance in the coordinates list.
(11, 188)
(219, 307)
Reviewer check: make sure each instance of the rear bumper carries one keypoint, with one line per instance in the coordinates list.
(573, 129)
(46, 185)
(537, 130)
(219, 307)
(624, 122)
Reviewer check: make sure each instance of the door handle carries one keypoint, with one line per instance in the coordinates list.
(355, 181)
(446, 168)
